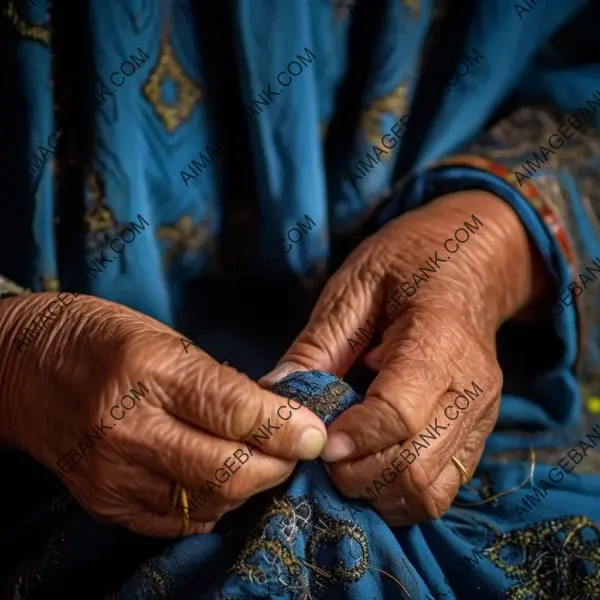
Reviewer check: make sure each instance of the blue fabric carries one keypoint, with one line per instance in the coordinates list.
(142, 165)
(310, 523)
(145, 165)
(307, 540)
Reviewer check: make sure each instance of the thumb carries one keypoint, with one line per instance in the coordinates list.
(340, 326)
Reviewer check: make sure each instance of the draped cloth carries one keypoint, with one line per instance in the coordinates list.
(109, 105)
(306, 540)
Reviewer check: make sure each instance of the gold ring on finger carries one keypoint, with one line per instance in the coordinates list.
(461, 468)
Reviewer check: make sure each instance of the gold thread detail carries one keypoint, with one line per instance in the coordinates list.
(188, 93)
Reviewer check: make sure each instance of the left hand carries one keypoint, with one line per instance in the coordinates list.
(436, 344)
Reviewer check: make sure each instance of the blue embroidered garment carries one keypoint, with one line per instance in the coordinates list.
(305, 540)
(183, 118)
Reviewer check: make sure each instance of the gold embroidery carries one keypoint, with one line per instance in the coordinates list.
(184, 236)
(32, 32)
(325, 402)
(99, 216)
(395, 103)
(551, 560)
(414, 7)
(101, 223)
(188, 93)
(157, 584)
(275, 547)
(330, 531)
(279, 530)
(328, 402)
(50, 284)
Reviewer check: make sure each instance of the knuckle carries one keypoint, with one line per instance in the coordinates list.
(312, 346)
(419, 478)
(238, 415)
(411, 344)
(396, 414)
(412, 423)
(409, 420)
(342, 299)
(435, 506)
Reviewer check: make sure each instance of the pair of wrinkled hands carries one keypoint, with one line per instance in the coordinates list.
(198, 412)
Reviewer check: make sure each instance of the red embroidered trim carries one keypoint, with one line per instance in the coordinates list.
(551, 218)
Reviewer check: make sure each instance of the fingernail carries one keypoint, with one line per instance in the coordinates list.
(280, 372)
(339, 446)
(311, 444)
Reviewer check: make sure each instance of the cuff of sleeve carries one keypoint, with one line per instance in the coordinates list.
(542, 221)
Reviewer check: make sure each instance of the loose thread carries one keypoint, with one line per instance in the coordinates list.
(326, 574)
(315, 568)
(505, 492)
(392, 577)
(480, 521)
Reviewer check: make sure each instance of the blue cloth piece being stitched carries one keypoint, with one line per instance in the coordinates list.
(312, 542)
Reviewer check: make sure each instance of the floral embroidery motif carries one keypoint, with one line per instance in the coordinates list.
(300, 519)
(185, 236)
(555, 559)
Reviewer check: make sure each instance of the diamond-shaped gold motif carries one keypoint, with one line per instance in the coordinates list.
(185, 236)
(188, 93)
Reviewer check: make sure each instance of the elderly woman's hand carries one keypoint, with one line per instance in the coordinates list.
(438, 282)
(119, 406)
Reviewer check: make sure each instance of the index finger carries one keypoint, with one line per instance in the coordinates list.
(400, 400)
(229, 404)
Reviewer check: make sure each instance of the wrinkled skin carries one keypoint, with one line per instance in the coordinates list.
(433, 346)
(194, 417)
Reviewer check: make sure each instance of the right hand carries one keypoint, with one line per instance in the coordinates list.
(193, 417)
